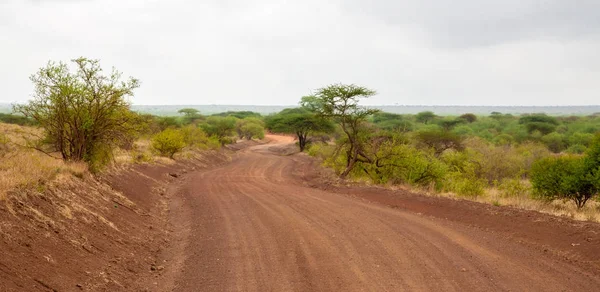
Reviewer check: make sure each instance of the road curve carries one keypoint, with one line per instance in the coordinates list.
(251, 225)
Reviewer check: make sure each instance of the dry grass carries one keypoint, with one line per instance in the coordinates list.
(492, 196)
(520, 200)
(591, 211)
(141, 153)
(24, 167)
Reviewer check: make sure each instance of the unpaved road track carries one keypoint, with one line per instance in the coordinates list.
(251, 225)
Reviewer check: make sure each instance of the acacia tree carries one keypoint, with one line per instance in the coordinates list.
(299, 121)
(425, 117)
(440, 141)
(189, 112)
(339, 102)
(81, 112)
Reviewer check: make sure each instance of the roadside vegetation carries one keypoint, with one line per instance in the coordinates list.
(533, 161)
(79, 122)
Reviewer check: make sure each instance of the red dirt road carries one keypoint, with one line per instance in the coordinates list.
(253, 225)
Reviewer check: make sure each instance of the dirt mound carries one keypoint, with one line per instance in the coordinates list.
(90, 234)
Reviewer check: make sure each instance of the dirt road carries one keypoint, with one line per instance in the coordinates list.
(252, 225)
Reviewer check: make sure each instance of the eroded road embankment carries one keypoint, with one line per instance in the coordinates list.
(251, 225)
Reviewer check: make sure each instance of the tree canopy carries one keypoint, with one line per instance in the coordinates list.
(82, 112)
(299, 121)
(339, 102)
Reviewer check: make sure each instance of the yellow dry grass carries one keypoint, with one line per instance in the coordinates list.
(140, 153)
(492, 196)
(591, 211)
(24, 167)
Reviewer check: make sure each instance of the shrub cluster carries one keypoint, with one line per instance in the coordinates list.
(532, 154)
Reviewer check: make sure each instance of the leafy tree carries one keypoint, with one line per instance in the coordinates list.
(542, 128)
(189, 112)
(221, 127)
(395, 161)
(340, 103)
(311, 102)
(449, 124)
(81, 112)
(576, 149)
(193, 136)
(168, 122)
(249, 128)
(503, 139)
(562, 178)
(496, 115)
(440, 140)
(299, 121)
(168, 142)
(539, 122)
(592, 163)
(425, 117)
(469, 118)
(538, 118)
(190, 115)
(555, 142)
(391, 122)
(579, 138)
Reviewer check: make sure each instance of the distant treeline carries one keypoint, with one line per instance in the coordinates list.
(171, 110)
(16, 119)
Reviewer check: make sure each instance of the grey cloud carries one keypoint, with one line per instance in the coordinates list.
(272, 52)
(466, 23)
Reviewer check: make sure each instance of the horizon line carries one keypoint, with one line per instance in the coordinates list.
(370, 105)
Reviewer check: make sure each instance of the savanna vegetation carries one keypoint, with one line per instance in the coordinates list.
(80, 119)
(532, 161)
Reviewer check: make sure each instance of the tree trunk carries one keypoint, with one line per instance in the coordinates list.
(302, 141)
(348, 168)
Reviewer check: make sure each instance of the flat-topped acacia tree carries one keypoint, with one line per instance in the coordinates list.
(82, 112)
(339, 102)
(299, 121)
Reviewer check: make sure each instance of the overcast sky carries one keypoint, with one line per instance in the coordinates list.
(272, 52)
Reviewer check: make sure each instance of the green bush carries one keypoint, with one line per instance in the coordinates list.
(576, 149)
(591, 163)
(562, 178)
(168, 122)
(503, 139)
(399, 163)
(195, 137)
(579, 138)
(168, 142)
(140, 157)
(250, 128)
(464, 184)
(555, 142)
(99, 157)
(223, 128)
(324, 152)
